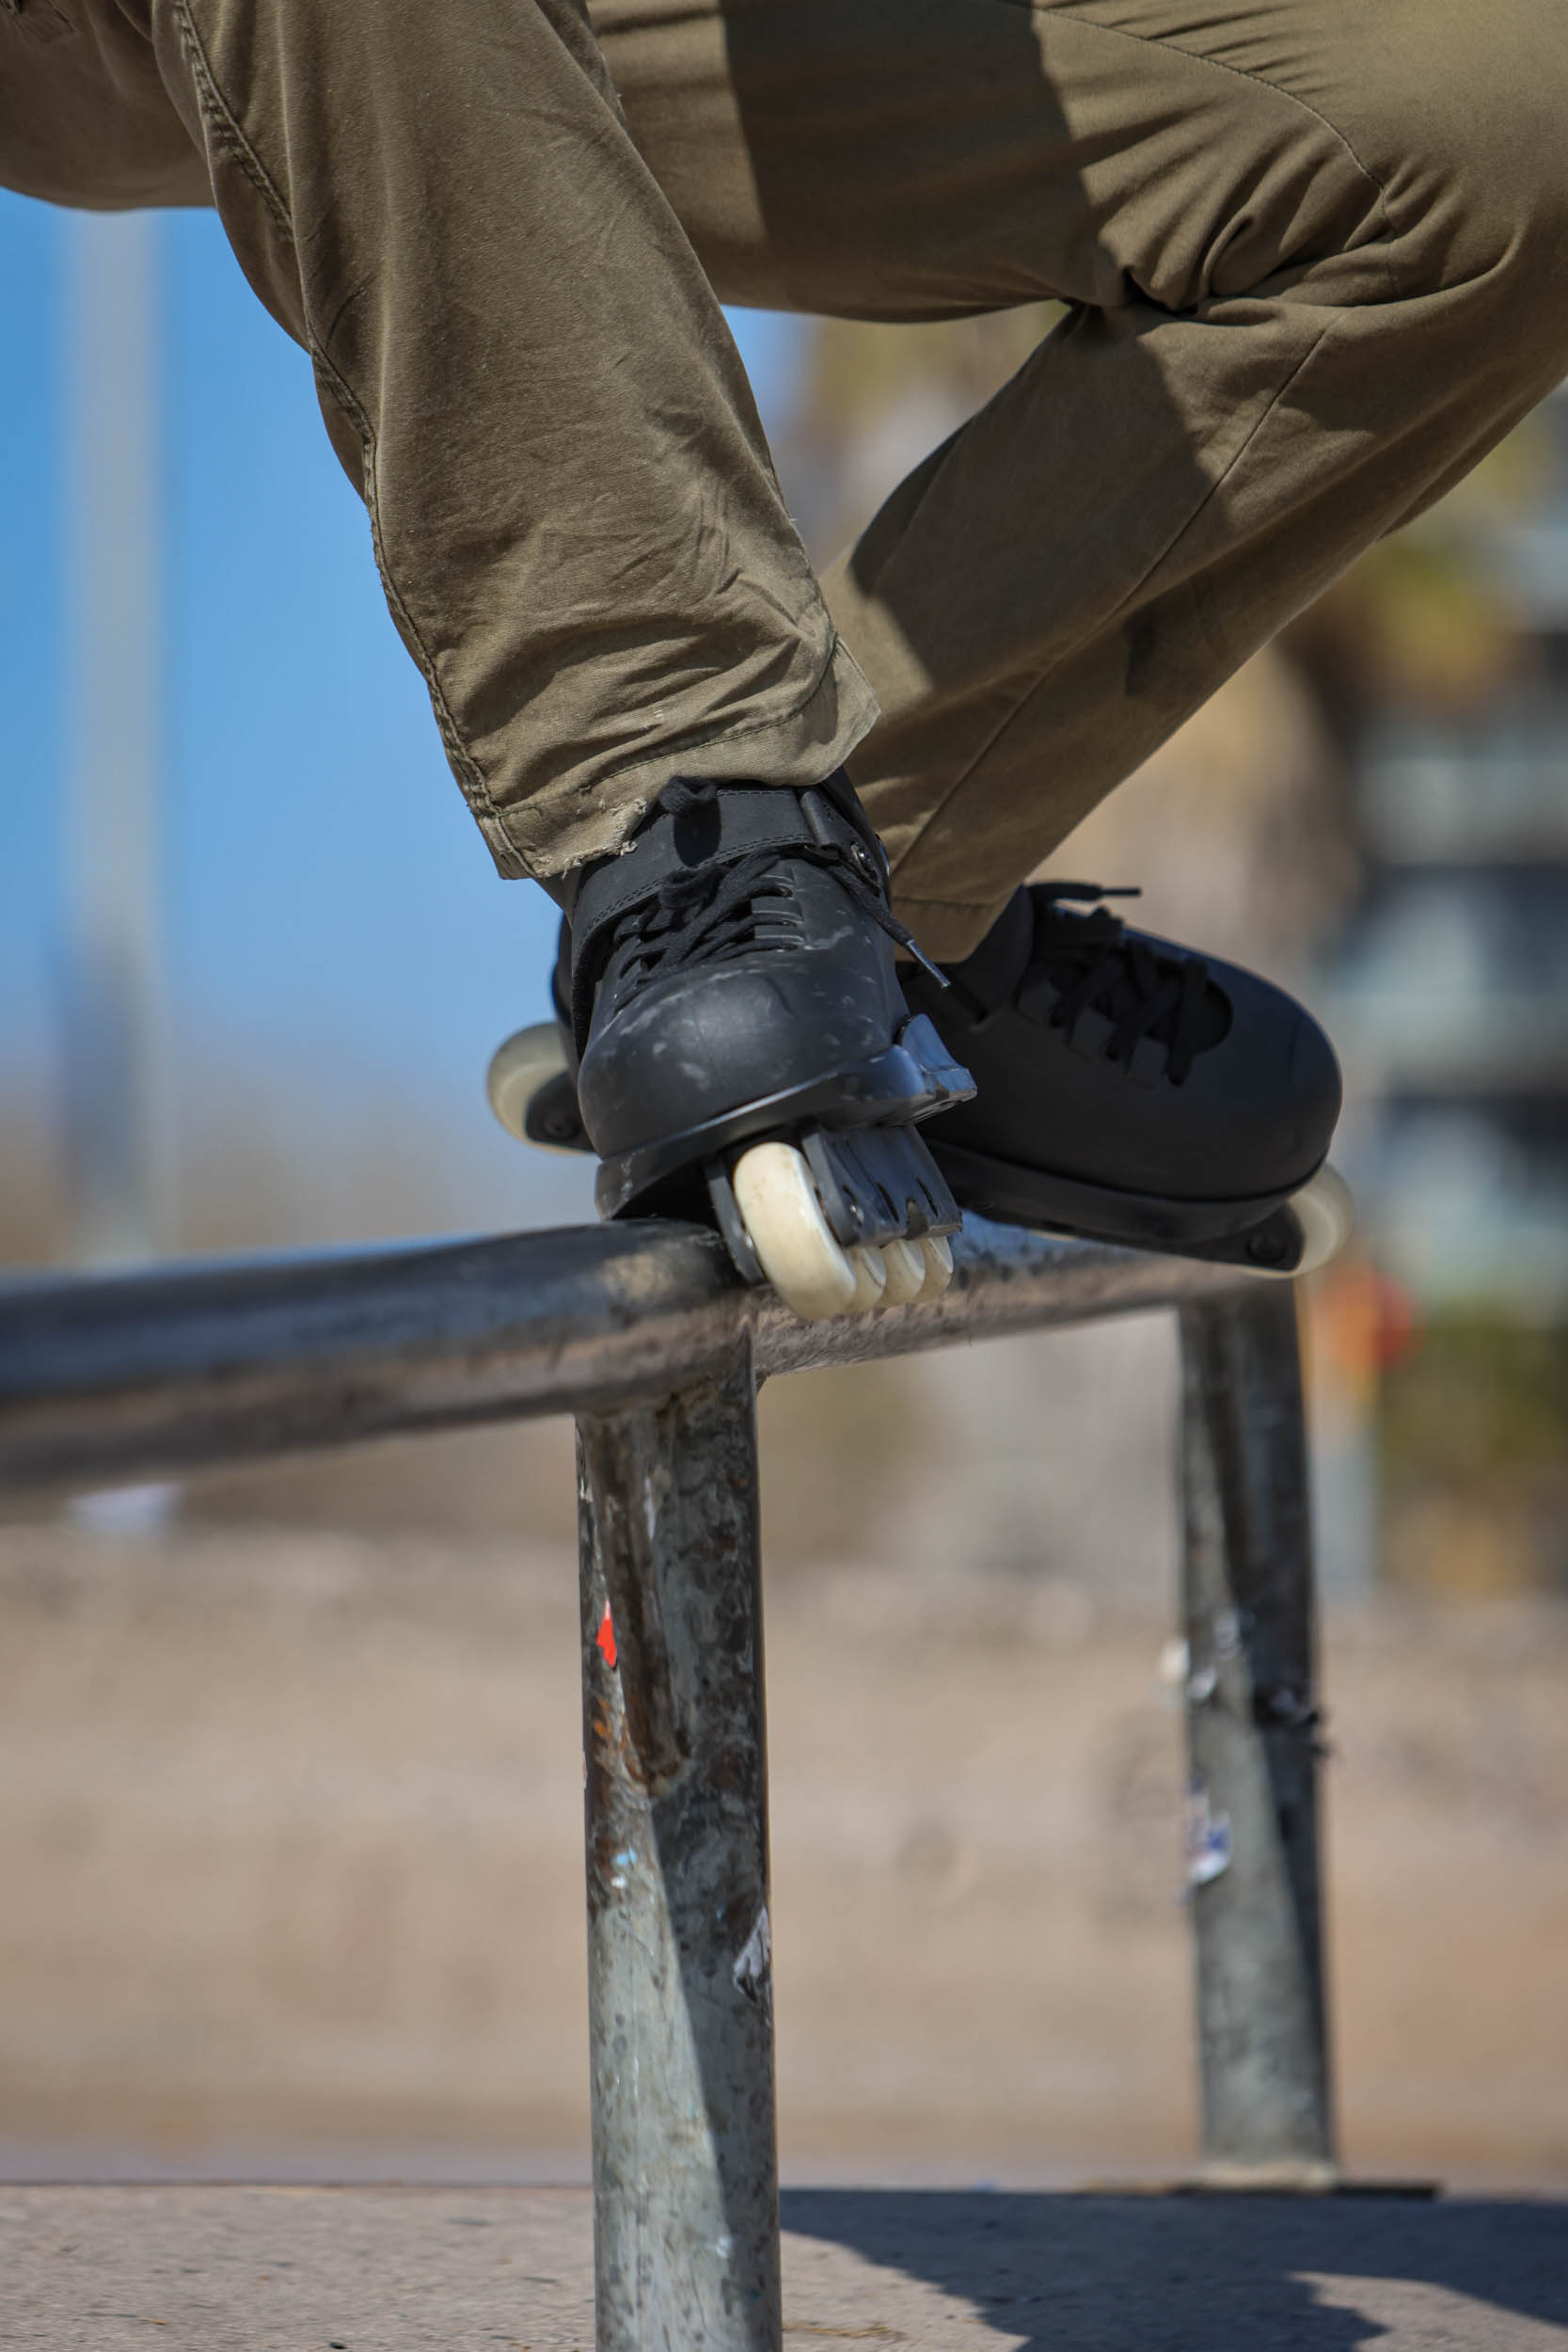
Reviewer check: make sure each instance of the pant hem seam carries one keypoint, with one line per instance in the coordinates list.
(665, 762)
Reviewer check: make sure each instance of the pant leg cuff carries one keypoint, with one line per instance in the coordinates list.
(579, 818)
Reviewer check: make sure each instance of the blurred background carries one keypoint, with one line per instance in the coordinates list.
(290, 1876)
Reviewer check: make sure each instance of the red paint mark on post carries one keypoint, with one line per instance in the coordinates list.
(606, 1639)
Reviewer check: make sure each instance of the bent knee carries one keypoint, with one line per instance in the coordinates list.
(1365, 155)
(1458, 113)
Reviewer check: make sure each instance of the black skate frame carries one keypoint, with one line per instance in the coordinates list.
(1262, 1233)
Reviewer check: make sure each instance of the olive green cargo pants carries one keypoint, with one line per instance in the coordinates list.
(1316, 258)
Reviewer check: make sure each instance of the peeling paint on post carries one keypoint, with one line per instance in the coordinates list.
(685, 2208)
(1252, 1746)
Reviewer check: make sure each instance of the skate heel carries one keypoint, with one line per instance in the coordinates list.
(1310, 1228)
(839, 1222)
(531, 1091)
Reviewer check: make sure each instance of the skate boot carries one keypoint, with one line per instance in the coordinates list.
(733, 1042)
(1132, 1092)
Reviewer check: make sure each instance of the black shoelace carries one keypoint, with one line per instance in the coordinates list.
(1090, 965)
(712, 914)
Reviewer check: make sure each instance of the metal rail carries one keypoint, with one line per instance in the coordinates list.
(643, 1333)
(140, 1376)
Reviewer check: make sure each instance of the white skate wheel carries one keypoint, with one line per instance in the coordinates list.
(938, 1255)
(906, 1271)
(795, 1248)
(870, 1277)
(1325, 1212)
(518, 1067)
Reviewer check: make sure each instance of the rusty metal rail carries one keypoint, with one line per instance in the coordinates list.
(644, 1334)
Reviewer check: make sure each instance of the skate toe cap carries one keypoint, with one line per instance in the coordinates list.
(1276, 1084)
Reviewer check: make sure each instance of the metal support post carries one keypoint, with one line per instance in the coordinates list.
(685, 2206)
(1252, 1744)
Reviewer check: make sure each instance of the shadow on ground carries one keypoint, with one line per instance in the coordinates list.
(1189, 2274)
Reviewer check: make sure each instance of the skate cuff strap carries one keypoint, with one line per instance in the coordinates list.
(730, 824)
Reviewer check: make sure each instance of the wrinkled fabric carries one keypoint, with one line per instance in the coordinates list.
(1317, 252)
(1317, 259)
(520, 362)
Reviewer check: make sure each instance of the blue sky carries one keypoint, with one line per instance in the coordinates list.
(331, 910)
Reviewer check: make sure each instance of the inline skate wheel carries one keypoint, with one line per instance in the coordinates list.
(938, 1255)
(1325, 1212)
(906, 1271)
(518, 1067)
(871, 1277)
(795, 1245)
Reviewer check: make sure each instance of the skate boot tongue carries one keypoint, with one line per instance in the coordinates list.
(987, 978)
(705, 912)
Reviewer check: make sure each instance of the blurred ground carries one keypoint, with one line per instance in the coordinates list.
(394, 2270)
(289, 1852)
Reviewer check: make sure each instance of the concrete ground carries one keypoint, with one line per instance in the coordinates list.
(237, 2269)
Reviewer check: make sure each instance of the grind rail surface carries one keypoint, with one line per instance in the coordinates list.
(644, 1334)
(132, 1375)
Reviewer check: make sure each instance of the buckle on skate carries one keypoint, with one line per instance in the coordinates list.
(945, 1078)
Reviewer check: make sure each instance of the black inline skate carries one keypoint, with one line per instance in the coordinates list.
(1128, 1090)
(1134, 1092)
(733, 1042)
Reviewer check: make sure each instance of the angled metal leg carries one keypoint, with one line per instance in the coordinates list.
(1252, 1744)
(686, 2209)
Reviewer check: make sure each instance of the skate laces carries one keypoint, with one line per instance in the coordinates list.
(715, 913)
(1089, 962)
